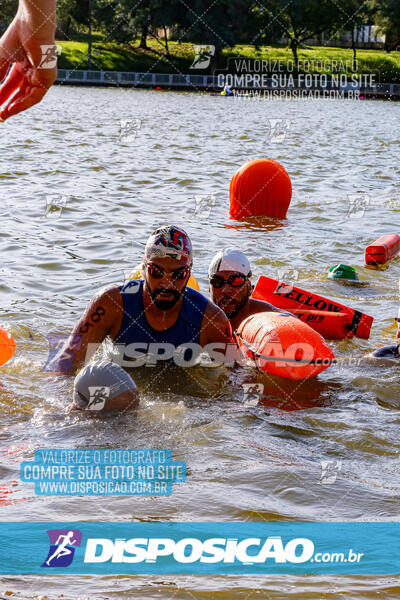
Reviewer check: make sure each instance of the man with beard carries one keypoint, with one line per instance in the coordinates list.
(230, 286)
(149, 317)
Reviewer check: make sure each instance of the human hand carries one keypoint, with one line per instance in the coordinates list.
(29, 46)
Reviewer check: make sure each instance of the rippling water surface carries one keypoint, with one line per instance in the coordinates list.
(261, 463)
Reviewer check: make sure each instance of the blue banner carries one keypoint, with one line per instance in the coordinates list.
(103, 472)
(196, 548)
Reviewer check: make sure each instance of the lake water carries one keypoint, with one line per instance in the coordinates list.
(260, 463)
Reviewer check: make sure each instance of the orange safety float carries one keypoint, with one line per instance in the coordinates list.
(7, 346)
(382, 250)
(332, 326)
(281, 344)
(260, 187)
(289, 297)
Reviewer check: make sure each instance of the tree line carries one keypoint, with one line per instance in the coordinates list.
(222, 23)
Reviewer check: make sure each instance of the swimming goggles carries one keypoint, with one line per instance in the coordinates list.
(234, 280)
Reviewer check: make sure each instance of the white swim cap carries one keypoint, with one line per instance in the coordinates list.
(169, 241)
(230, 259)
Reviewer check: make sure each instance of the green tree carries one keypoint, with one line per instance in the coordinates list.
(388, 19)
(359, 14)
(70, 15)
(8, 8)
(125, 20)
(153, 19)
(300, 20)
(222, 24)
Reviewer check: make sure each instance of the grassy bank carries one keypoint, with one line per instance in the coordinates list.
(129, 57)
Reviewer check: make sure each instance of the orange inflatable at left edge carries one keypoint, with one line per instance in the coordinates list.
(281, 344)
(7, 346)
(260, 187)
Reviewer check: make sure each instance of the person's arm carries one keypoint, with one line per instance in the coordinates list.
(41, 14)
(216, 326)
(28, 46)
(217, 333)
(102, 317)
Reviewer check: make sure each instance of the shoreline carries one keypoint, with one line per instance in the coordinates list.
(209, 83)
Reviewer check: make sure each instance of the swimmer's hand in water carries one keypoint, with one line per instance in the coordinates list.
(28, 47)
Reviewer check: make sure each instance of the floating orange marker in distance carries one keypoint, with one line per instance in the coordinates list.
(7, 346)
(382, 250)
(281, 344)
(260, 187)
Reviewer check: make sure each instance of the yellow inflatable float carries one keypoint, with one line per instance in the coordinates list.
(137, 273)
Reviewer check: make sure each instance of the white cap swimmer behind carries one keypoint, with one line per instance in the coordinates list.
(99, 383)
(169, 241)
(230, 259)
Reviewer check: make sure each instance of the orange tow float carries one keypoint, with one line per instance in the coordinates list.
(342, 322)
(281, 344)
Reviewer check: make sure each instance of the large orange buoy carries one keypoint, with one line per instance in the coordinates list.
(7, 346)
(289, 297)
(260, 187)
(283, 345)
(382, 250)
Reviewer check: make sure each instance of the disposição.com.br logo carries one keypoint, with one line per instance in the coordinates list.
(62, 547)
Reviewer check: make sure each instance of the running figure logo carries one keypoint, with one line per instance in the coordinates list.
(278, 129)
(329, 471)
(203, 56)
(98, 397)
(54, 205)
(62, 542)
(204, 204)
(252, 393)
(128, 130)
(288, 277)
(358, 203)
(49, 56)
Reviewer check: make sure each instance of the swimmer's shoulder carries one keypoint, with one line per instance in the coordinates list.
(257, 306)
(110, 295)
(108, 304)
(215, 325)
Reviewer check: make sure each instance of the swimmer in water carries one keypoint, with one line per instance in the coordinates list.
(227, 91)
(149, 316)
(104, 386)
(392, 351)
(230, 287)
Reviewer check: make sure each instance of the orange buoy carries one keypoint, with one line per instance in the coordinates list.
(281, 344)
(7, 346)
(289, 297)
(260, 187)
(382, 250)
(332, 326)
